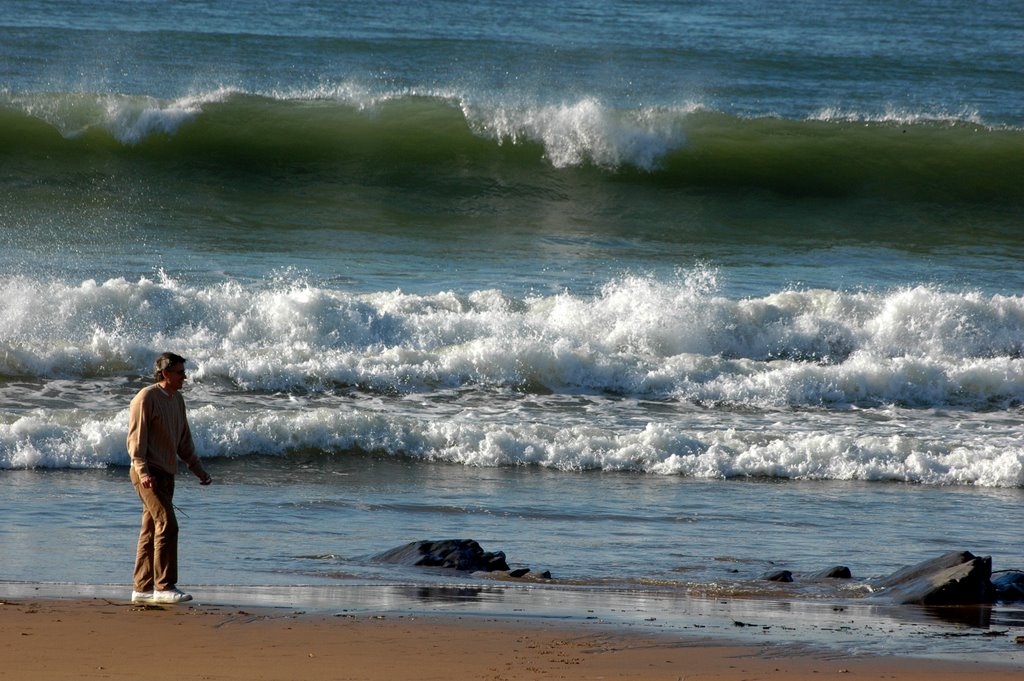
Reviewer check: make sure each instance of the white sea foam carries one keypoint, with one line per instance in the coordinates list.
(128, 119)
(583, 131)
(133, 120)
(898, 116)
(911, 452)
(779, 383)
(919, 346)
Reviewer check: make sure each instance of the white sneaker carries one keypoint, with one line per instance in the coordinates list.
(142, 597)
(171, 596)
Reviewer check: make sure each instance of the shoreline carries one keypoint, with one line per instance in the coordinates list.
(463, 630)
(102, 639)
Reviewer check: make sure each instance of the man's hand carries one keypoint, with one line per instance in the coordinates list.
(205, 479)
(146, 481)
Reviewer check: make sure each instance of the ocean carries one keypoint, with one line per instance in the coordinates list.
(650, 294)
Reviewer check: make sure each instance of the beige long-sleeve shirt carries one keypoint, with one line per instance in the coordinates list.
(158, 432)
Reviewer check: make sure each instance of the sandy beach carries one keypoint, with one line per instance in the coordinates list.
(101, 638)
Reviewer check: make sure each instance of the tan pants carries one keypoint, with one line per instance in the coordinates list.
(156, 561)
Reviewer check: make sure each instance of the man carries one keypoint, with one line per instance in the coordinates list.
(158, 434)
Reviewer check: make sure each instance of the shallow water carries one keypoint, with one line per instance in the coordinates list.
(322, 519)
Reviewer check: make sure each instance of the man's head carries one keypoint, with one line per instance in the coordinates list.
(169, 366)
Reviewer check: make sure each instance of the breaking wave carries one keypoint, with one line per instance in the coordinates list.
(940, 157)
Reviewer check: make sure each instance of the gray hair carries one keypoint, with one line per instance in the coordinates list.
(168, 359)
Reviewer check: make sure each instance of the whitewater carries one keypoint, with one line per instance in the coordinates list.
(646, 375)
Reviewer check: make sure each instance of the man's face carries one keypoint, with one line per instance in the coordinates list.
(175, 376)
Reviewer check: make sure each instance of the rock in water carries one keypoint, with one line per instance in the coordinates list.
(778, 576)
(1009, 586)
(956, 578)
(457, 554)
(836, 572)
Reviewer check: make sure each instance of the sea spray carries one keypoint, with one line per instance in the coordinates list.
(675, 339)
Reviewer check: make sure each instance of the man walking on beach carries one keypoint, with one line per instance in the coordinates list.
(158, 434)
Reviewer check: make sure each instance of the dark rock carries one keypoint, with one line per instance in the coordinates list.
(957, 578)
(1009, 586)
(517, 574)
(932, 565)
(778, 576)
(457, 554)
(837, 572)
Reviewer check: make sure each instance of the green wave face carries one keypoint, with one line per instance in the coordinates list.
(417, 139)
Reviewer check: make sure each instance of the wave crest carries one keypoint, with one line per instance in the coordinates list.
(664, 339)
(835, 154)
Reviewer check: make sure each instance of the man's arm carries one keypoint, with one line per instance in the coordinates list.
(138, 431)
(187, 452)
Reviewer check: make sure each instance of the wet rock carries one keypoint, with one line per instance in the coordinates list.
(537, 574)
(956, 578)
(778, 576)
(837, 572)
(947, 560)
(1009, 586)
(456, 554)
(518, 574)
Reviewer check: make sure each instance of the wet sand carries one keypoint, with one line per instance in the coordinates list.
(45, 638)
